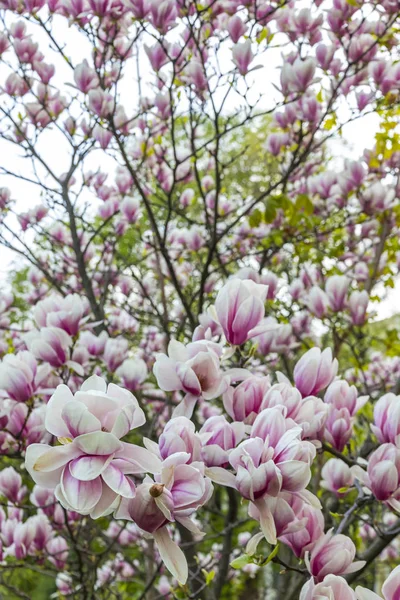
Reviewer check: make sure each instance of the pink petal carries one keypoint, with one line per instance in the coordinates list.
(82, 496)
(171, 555)
(117, 481)
(86, 468)
(78, 419)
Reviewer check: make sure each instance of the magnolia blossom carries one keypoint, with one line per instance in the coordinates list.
(52, 345)
(193, 369)
(307, 530)
(314, 371)
(332, 555)
(390, 588)
(218, 437)
(331, 588)
(341, 395)
(133, 372)
(272, 460)
(239, 308)
(244, 402)
(176, 492)
(89, 469)
(386, 425)
(21, 377)
(337, 477)
(65, 313)
(383, 475)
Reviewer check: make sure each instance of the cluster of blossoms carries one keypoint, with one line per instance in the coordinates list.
(198, 244)
(263, 447)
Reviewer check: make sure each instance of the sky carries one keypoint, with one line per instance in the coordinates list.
(357, 135)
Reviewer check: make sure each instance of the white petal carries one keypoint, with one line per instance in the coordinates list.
(171, 555)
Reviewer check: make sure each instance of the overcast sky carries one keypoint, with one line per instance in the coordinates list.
(356, 136)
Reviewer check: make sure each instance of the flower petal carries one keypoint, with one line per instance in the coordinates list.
(56, 457)
(78, 419)
(117, 481)
(98, 443)
(171, 555)
(53, 421)
(94, 383)
(86, 468)
(82, 496)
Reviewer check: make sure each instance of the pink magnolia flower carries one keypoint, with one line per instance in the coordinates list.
(193, 369)
(337, 477)
(383, 475)
(94, 344)
(51, 345)
(65, 313)
(358, 305)
(242, 55)
(115, 352)
(243, 403)
(272, 460)
(310, 527)
(130, 209)
(318, 302)
(390, 588)
(314, 371)
(58, 551)
(89, 469)
(338, 427)
(85, 77)
(11, 485)
(309, 413)
(236, 28)
(336, 289)
(133, 372)
(340, 395)
(387, 419)
(240, 308)
(179, 436)
(218, 437)
(332, 555)
(174, 495)
(331, 588)
(20, 376)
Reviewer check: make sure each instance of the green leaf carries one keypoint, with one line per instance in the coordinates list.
(241, 561)
(255, 218)
(271, 556)
(208, 577)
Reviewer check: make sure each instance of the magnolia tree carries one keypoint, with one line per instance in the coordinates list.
(195, 399)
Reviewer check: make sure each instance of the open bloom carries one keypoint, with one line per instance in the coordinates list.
(20, 376)
(243, 403)
(64, 313)
(332, 555)
(193, 369)
(331, 588)
(89, 469)
(272, 460)
(337, 477)
(174, 495)
(310, 527)
(218, 437)
(390, 588)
